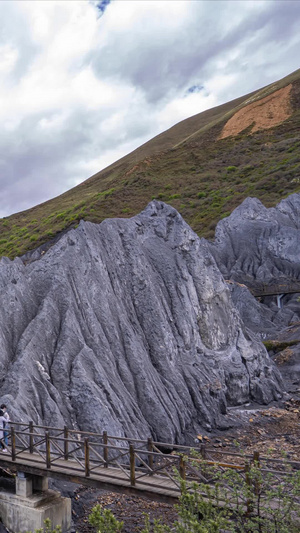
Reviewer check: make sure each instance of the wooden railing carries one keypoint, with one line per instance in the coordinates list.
(87, 452)
(137, 462)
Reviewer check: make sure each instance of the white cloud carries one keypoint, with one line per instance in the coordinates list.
(8, 58)
(80, 87)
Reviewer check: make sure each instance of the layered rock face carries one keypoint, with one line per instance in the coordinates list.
(127, 326)
(257, 244)
(261, 247)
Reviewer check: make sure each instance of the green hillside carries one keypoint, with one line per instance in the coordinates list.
(188, 166)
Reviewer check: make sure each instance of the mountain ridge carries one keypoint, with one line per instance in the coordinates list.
(188, 166)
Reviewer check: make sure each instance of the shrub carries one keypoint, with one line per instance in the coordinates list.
(23, 230)
(47, 528)
(104, 521)
(174, 196)
(254, 502)
(106, 193)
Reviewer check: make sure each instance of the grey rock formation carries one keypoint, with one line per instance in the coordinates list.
(260, 247)
(263, 316)
(127, 326)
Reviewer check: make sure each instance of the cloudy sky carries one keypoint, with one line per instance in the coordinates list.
(83, 83)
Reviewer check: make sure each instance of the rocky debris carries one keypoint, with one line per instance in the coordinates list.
(127, 326)
(273, 431)
(130, 510)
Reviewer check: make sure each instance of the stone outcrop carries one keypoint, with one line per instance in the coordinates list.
(260, 247)
(128, 326)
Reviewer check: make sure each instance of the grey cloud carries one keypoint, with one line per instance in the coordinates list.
(283, 17)
(36, 165)
(163, 64)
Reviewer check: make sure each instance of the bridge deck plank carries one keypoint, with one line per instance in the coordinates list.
(158, 484)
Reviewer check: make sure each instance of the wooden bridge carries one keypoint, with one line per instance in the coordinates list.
(274, 289)
(120, 464)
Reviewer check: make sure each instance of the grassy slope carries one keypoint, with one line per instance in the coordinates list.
(186, 166)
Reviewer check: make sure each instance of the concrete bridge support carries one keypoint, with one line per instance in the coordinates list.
(32, 504)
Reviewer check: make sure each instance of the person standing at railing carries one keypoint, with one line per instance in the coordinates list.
(6, 416)
(2, 426)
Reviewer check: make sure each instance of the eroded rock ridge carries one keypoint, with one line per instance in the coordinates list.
(260, 247)
(127, 326)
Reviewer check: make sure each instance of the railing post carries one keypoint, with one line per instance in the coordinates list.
(248, 483)
(203, 456)
(182, 467)
(66, 443)
(48, 455)
(13, 443)
(105, 449)
(132, 465)
(150, 456)
(256, 458)
(256, 462)
(203, 451)
(31, 437)
(87, 457)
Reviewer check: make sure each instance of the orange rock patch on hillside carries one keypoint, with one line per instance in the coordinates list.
(263, 114)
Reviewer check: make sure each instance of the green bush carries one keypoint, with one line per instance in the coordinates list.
(106, 193)
(47, 528)
(174, 196)
(104, 521)
(231, 501)
(23, 230)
